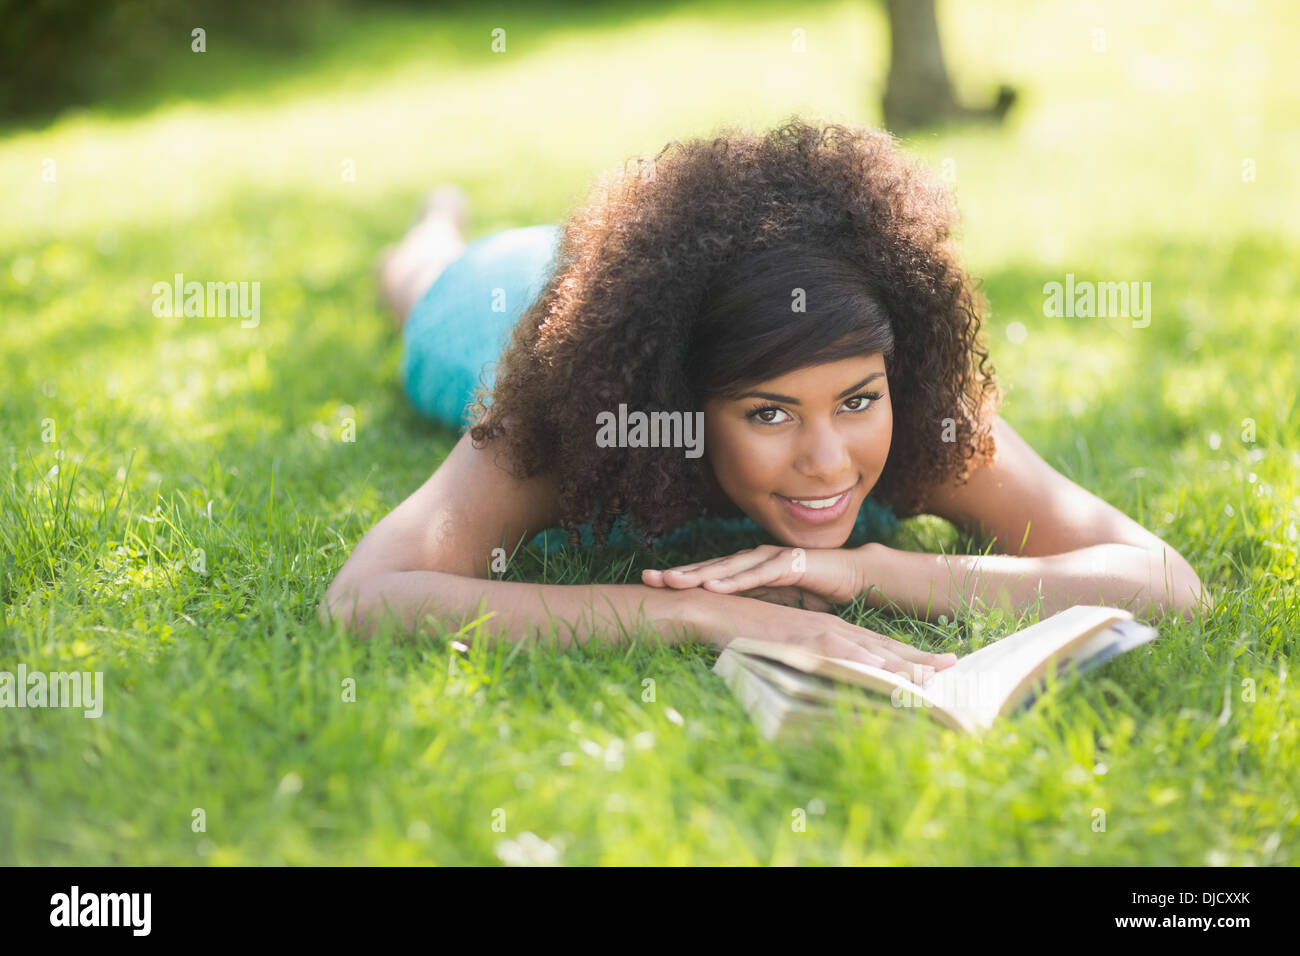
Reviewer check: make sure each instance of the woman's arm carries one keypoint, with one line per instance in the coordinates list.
(432, 556)
(1116, 575)
(1057, 538)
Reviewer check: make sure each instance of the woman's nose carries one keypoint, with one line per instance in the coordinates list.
(824, 453)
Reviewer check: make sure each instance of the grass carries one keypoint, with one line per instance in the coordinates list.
(175, 494)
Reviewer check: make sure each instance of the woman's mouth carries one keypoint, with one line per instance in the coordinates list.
(818, 510)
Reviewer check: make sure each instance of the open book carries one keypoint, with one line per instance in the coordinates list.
(785, 687)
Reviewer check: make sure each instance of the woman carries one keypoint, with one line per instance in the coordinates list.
(792, 298)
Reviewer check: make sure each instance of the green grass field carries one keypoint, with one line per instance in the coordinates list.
(177, 493)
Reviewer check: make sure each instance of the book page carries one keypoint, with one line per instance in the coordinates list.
(795, 686)
(770, 709)
(1120, 637)
(984, 684)
(836, 668)
(975, 689)
(1061, 626)
(900, 691)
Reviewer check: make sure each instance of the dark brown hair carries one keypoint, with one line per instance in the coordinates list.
(673, 283)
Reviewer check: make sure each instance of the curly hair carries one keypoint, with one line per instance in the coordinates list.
(673, 283)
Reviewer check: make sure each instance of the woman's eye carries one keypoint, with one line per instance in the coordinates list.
(860, 403)
(768, 416)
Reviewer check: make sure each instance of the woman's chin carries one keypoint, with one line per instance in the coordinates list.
(793, 533)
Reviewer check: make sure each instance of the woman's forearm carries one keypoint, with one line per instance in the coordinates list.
(520, 610)
(1116, 575)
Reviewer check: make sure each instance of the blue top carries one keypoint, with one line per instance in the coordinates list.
(456, 331)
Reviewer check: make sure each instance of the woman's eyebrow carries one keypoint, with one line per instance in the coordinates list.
(866, 381)
(771, 397)
(791, 400)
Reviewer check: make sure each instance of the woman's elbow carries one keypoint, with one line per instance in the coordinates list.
(347, 601)
(1196, 598)
(1189, 596)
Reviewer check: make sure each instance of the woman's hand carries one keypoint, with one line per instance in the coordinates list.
(827, 576)
(717, 618)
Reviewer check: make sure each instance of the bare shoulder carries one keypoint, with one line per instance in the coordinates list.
(471, 504)
(1029, 507)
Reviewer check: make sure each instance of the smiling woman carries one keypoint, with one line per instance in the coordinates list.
(800, 454)
(798, 291)
(743, 258)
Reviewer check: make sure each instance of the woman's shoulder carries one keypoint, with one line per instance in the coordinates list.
(479, 497)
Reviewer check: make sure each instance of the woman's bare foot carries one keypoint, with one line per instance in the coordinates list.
(406, 270)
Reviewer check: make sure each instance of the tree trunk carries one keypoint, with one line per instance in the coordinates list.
(918, 91)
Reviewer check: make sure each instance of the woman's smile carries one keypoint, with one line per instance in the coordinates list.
(798, 453)
(819, 510)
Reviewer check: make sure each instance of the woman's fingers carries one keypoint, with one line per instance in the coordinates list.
(907, 652)
(771, 571)
(692, 576)
(835, 646)
(845, 648)
(671, 577)
(915, 671)
(905, 656)
(686, 568)
(765, 573)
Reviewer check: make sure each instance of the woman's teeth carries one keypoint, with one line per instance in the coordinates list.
(818, 503)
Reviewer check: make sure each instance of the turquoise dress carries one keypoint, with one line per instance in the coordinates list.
(456, 331)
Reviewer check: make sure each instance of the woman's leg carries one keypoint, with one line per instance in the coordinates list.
(406, 270)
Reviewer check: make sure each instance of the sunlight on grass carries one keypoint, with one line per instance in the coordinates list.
(175, 493)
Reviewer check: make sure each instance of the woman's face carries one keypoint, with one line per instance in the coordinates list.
(798, 453)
